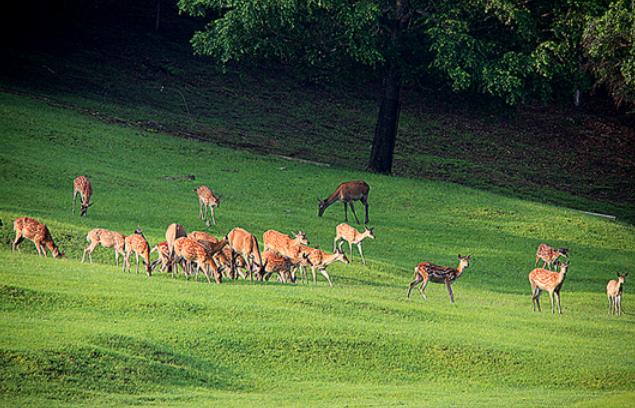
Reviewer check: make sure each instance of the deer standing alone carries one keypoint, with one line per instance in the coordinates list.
(614, 294)
(549, 255)
(36, 232)
(345, 232)
(207, 204)
(428, 272)
(82, 186)
(107, 239)
(347, 193)
(543, 279)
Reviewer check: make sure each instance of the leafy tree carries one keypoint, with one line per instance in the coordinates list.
(609, 43)
(509, 49)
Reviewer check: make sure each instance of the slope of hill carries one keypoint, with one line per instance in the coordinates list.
(90, 335)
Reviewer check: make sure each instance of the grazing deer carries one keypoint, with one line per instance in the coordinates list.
(347, 193)
(320, 260)
(245, 244)
(107, 239)
(164, 256)
(82, 186)
(278, 264)
(203, 236)
(543, 279)
(173, 232)
(549, 255)
(37, 232)
(137, 243)
(193, 252)
(207, 201)
(614, 294)
(428, 272)
(345, 232)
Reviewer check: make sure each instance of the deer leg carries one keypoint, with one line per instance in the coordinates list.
(551, 299)
(74, 200)
(618, 302)
(335, 242)
(558, 295)
(353, 210)
(350, 249)
(422, 288)
(361, 253)
(345, 211)
(137, 258)
(414, 283)
(313, 272)
(608, 297)
(326, 275)
(448, 284)
(365, 202)
(213, 217)
(18, 239)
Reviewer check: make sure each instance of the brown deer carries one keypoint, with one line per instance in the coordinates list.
(203, 236)
(173, 232)
(37, 232)
(428, 272)
(345, 232)
(107, 239)
(320, 260)
(549, 255)
(289, 248)
(245, 244)
(347, 193)
(82, 186)
(207, 203)
(276, 263)
(614, 294)
(164, 256)
(193, 252)
(136, 242)
(543, 279)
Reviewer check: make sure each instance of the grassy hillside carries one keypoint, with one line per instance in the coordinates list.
(110, 67)
(78, 334)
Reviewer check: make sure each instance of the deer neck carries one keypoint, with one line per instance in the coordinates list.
(328, 259)
(460, 269)
(332, 198)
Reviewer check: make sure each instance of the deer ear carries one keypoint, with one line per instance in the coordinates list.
(460, 256)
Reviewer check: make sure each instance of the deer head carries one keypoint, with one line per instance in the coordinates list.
(564, 251)
(370, 232)
(300, 237)
(464, 261)
(321, 207)
(84, 209)
(339, 256)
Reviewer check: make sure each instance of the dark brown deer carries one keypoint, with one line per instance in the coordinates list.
(82, 186)
(37, 232)
(347, 193)
(428, 272)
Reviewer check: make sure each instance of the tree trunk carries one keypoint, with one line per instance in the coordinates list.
(157, 20)
(387, 121)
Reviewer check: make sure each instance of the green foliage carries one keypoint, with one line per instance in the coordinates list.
(609, 42)
(89, 335)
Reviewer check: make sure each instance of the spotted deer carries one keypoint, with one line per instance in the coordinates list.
(345, 232)
(164, 256)
(549, 255)
(543, 279)
(207, 204)
(426, 272)
(320, 260)
(136, 242)
(245, 244)
(193, 252)
(36, 232)
(278, 264)
(82, 186)
(173, 232)
(614, 294)
(289, 248)
(107, 239)
(347, 193)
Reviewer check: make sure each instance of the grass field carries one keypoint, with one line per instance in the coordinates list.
(78, 334)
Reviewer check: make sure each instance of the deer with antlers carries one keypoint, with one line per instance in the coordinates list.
(137, 242)
(347, 193)
(614, 294)
(543, 279)
(428, 272)
(82, 186)
(107, 239)
(549, 255)
(345, 232)
(36, 232)
(245, 244)
(207, 204)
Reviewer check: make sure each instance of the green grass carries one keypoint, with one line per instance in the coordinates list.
(79, 334)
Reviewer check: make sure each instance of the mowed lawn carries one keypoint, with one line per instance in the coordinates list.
(80, 334)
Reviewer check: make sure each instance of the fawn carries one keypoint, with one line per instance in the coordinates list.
(82, 186)
(345, 232)
(164, 256)
(347, 193)
(428, 272)
(549, 255)
(614, 294)
(543, 279)
(207, 201)
(107, 239)
(37, 232)
(320, 260)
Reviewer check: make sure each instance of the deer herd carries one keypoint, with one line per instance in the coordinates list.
(238, 253)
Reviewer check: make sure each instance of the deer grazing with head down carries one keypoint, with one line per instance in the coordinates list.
(543, 279)
(136, 242)
(347, 193)
(288, 247)
(549, 255)
(245, 244)
(614, 294)
(82, 186)
(37, 232)
(428, 272)
(164, 256)
(194, 252)
(107, 239)
(207, 204)
(345, 232)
